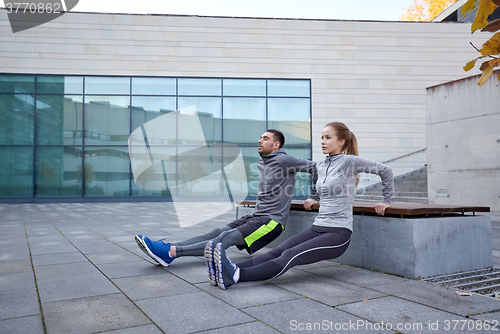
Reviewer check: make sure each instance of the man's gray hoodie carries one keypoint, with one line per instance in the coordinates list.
(276, 184)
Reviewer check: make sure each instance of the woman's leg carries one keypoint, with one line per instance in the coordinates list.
(313, 245)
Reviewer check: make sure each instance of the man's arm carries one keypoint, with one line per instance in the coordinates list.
(294, 164)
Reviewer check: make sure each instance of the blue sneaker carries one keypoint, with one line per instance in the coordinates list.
(225, 268)
(209, 260)
(157, 250)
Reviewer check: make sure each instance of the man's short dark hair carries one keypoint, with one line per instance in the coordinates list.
(278, 136)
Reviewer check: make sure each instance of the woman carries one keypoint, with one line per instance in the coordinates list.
(330, 234)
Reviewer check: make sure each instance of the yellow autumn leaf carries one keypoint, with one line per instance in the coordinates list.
(469, 6)
(470, 65)
(485, 76)
(491, 46)
(493, 26)
(498, 76)
(485, 8)
(494, 62)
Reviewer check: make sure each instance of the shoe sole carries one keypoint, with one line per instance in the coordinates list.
(218, 267)
(209, 260)
(142, 245)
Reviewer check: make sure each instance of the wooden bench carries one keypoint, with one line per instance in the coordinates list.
(412, 240)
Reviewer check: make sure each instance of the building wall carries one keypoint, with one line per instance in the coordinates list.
(369, 75)
(463, 132)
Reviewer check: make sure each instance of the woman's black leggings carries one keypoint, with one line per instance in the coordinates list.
(315, 244)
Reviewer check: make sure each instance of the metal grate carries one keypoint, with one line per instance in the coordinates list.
(485, 282)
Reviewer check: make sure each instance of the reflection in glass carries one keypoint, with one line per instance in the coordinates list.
(251, 157)
(58, 172)
(244, 87)
(58, 84)
(17, 83)
(209, 111)
(291, 116)
(16, 119)
(106, 171)
(153, 86)
(200, 87)
(107, 85)
(244, 120)
(291, 88)
(107, 120)
(153, 175)
(16, 172)
(59, 120)
(303, 180)
(145, 109)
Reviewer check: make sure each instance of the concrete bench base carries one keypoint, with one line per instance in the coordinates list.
(409, 247)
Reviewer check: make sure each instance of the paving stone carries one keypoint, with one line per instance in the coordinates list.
(189, 268)
(354, 275)
(102, 258)
(91, 315)
(332, 292)
(410, 316)
(145, 329)
(128, 269)
(65, 271)
(492, 319)
(16, 253)
(439, 297)
(18, 303)
(193, 312)
(58, 258)
(31, 325)
(300, 314)
(14, 281)
(250, 327)
(249, 293)
(8, 267)
(75, 287)
(151, 286)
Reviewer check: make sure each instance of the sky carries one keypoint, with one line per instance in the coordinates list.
(377, 10)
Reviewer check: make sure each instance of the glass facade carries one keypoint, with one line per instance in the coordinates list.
(67, 136)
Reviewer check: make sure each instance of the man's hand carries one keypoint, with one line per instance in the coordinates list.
(308, 203)
(380, 208)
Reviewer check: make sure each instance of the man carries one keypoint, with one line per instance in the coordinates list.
(252, 232)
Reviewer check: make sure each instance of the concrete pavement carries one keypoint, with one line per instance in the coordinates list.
(75, 268)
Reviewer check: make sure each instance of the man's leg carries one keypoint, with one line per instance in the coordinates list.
(196, 246)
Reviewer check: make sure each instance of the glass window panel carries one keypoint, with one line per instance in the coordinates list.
(145, 109)
(16, 172)
(16, 119)
(57, 84)
(201, 87)
(106, 171)
(107, 120)
(58, 172)
(17, 83)
(244, 87)
(303, 180)
(209, 111)
(292, 88)
(196, 175)
(244, 120)
(291, 116)
(153, 178)
(250, 158)
(153, 86)
(107, 85)
(59, 120)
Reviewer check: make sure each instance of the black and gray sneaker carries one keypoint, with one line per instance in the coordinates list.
(209, 260)
(225, 268)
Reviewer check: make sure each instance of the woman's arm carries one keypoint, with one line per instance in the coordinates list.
(361, 165)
